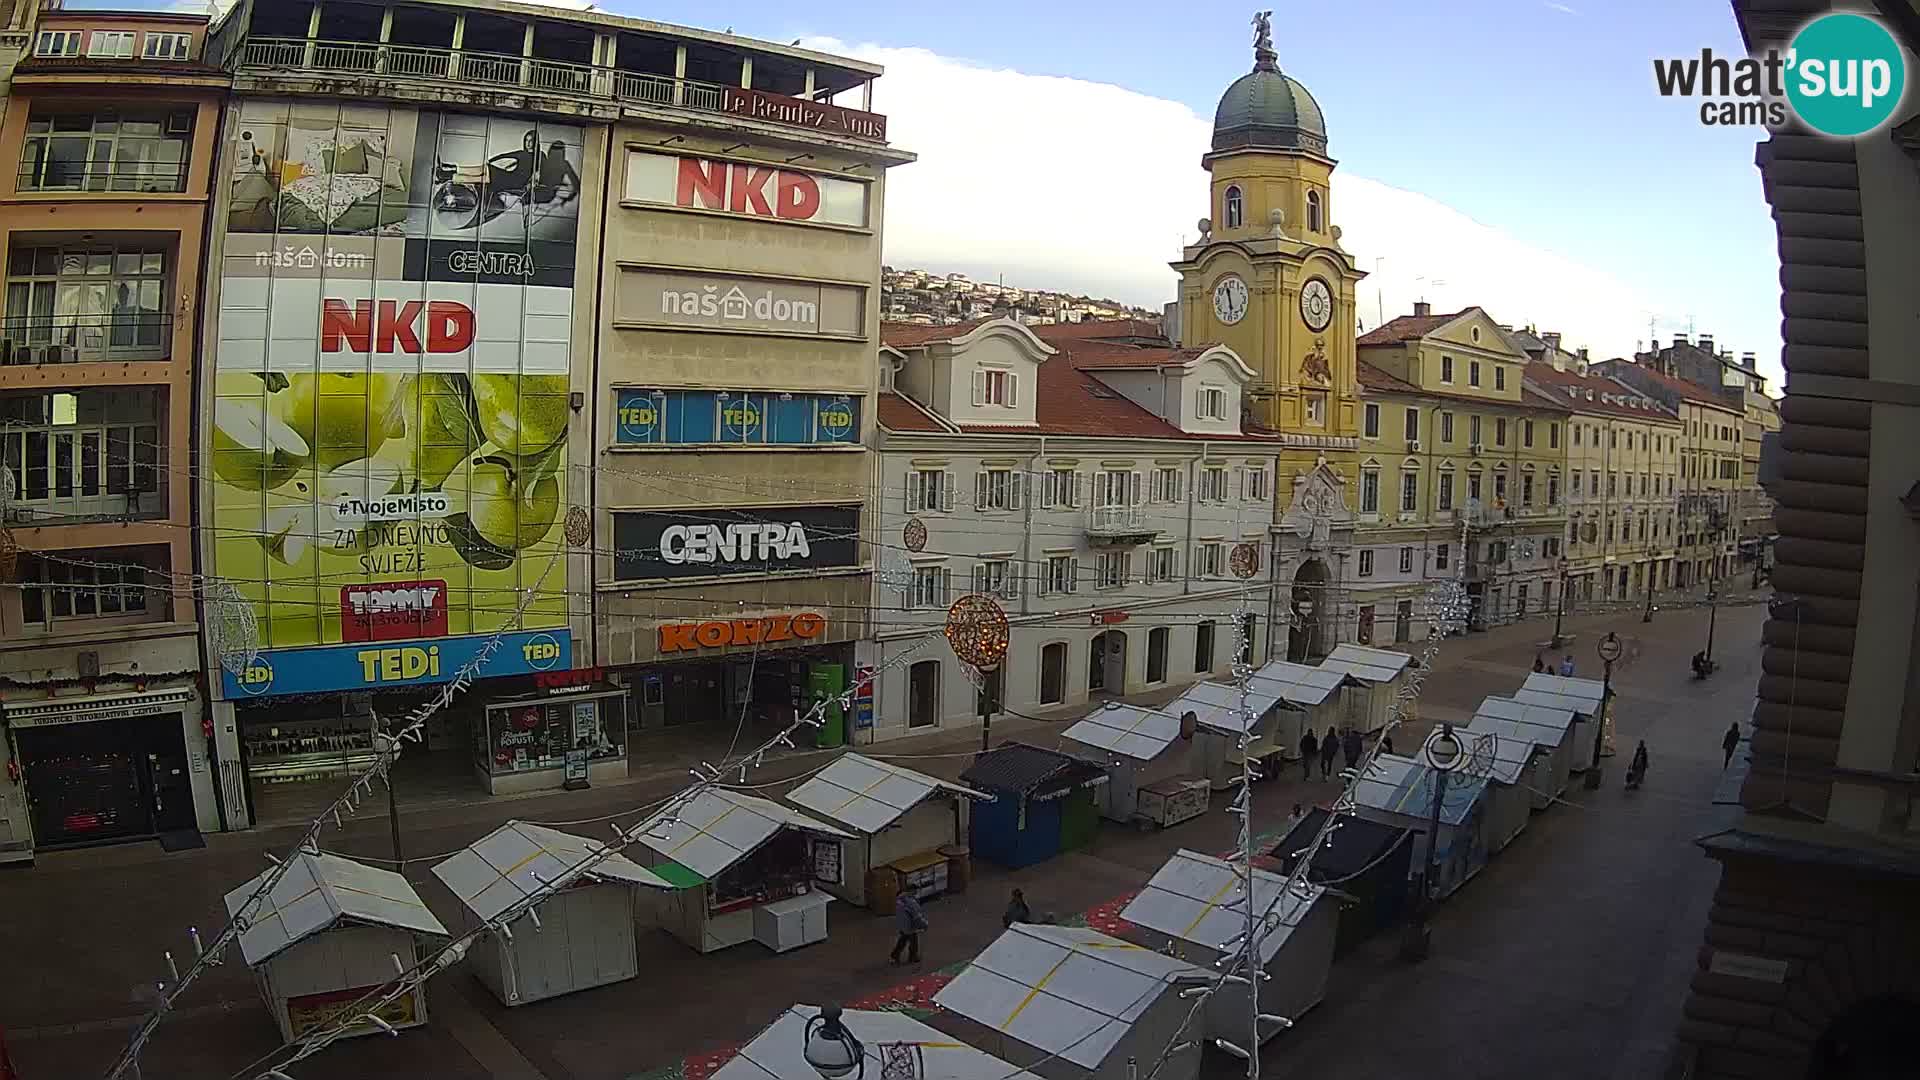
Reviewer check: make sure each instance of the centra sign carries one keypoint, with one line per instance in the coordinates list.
(765, 543)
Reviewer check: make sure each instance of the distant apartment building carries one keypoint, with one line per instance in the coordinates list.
(1701, 362)
(110, 123)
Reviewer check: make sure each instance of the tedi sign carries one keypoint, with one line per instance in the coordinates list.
(1842, 75)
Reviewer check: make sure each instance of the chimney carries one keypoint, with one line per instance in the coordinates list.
(1679, 341)
(1706, 344)
(1746, 360)
(1422, 309)
(1552, 339)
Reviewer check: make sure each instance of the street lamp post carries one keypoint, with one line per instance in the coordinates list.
(1443, 753)
(1648, 616)
(1560, 612)
(987, 705)
(1609, 650)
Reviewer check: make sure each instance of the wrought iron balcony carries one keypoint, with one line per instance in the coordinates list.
(1120, 525)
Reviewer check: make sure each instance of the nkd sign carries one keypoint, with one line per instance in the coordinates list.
(748, 189)
(708, 302)
(754, 540)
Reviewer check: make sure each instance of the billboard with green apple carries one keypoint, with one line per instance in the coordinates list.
(391, 395)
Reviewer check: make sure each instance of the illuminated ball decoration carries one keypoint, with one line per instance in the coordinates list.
(977, 630)
(914, 535)
(231, 626)
(579, 527)
(1244, 560)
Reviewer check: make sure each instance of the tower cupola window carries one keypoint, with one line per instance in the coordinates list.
(1316, 218)
(1234, 210)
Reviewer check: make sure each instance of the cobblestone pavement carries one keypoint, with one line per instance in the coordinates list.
(1567, 957)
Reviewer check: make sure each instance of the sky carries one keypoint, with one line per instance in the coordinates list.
(1507, 153)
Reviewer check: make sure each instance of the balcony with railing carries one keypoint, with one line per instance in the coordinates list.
(1120, 524)
(83, 338)
(79, 458)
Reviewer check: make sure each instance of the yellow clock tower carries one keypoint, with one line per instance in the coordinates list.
(1268, 277)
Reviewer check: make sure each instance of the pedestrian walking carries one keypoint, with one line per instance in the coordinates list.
(1566, 665)
(910, 919)
(1329, 746)
(1730, 742)
(1539, 663)
(1309, 749)
(1353, 747)
(1017, 910)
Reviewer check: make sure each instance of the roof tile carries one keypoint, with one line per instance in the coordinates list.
(1406, 328)
(908, 335)
(1570, 389)
(899, 413)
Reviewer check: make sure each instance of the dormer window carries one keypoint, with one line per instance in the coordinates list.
(1234, 211)
(111, 44)
(1213, 403)
(57, 43)
(996, 386)
(1316, 218)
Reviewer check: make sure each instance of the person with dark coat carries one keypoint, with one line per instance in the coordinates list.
(1017, 911)
(1329, 746)
(1386, 744)
(1352, 747)
(1309, 749)
(1637, 769)
(1539, 664)
(1730, 743)
(910, 920)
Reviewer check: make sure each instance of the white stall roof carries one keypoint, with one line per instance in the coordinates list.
(1563, 691)
(1217, 705)
(1138, 733)
(1066, 991)
(1546, 725)
(1401, 785)
(1495, 756)
(1367, 665)
(868, 795)
(513, 861)
(718, 828)
(1299, 683)
(318, 891)
(1196, 898)
(777, 1053)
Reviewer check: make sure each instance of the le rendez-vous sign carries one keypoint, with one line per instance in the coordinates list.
(798, 112)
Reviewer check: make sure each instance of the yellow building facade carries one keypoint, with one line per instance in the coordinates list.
(1461, 467)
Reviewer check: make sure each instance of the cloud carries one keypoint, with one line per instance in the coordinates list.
(1063, 183)
(1561, 8)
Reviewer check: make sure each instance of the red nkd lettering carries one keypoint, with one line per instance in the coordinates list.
(390, 326)
(702, 184)
(797, 196)
(747, 192)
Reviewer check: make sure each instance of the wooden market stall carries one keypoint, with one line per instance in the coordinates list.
(1146, 778)
(742, 869)
(910, 829)
(1319, 692)
(1218, 726)
(580, 937)
(326, 935)
(1194, 909)
(1367, 861)
(779, 1051)
(1043, 804)
(1071, 1003)
(1507, 767)
(1585, 698)
(1381, 674)
(1398, 791)
(1548, 727)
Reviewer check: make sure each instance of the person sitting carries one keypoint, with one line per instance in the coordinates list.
(1701, 665)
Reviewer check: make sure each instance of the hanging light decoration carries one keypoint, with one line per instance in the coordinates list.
(914, 535)
(231, 626)
(977, 630)
(579, 527)
(1244, 560)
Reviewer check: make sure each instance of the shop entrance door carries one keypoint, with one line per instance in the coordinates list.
(1097, 663)
(108, 780)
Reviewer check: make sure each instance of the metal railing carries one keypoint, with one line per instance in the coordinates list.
(442, 64)
(73, 339)
(1116, 519)
(154, 177)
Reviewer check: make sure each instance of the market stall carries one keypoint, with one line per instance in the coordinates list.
(890, 1041)
(580, 937)
(1218, 726)
(1194, 908)
(1507, 767)
(326, 935)
(1381, 674)
(1319, 692)
(1398, 791)
(909, 828)
(1043, 804)
(1137, 746)
(742, 869)
(1368, 862)
(1585, 698)
(1548, 727)
(1071, 1003)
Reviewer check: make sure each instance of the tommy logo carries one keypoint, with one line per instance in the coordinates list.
(393, 611)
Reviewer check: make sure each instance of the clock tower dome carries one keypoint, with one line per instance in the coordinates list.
(1268, 277)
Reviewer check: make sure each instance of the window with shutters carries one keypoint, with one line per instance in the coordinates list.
(1409, 491)
(997, 578)
(997, 489)
(1575, 428)
(928, 490)
(1499, 377)
(1163, 565)
(1112, 569)
(1116, 487)
(1499, 431)
(1526, 433)
(1061, 576)
(1213, 403)
(1473, 373)
(1526, 489)
(1446, 490)
(1060, 489)
(1166, 485)
(996, 386)
(1440, 554)
(1210, 558)
(1553, 491)
(1411, 424)
(1446, 369)
(1366, 562)
(1369, 491)
(931, 587)
(1213, 484)
(1473, 430)
(1371, 420)
(1553, 436)
(1446, 427)
(1406, 560)
(1253, 483)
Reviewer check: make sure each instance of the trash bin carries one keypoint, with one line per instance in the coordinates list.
(959, 867)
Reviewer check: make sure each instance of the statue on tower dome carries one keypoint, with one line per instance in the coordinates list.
(1263, 54)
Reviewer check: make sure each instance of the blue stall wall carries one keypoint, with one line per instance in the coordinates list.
(997, 837)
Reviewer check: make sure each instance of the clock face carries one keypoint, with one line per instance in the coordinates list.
(1230, 299)
(1316, 304)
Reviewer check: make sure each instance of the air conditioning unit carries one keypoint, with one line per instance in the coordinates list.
(1413, 446)
(1475, 449)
